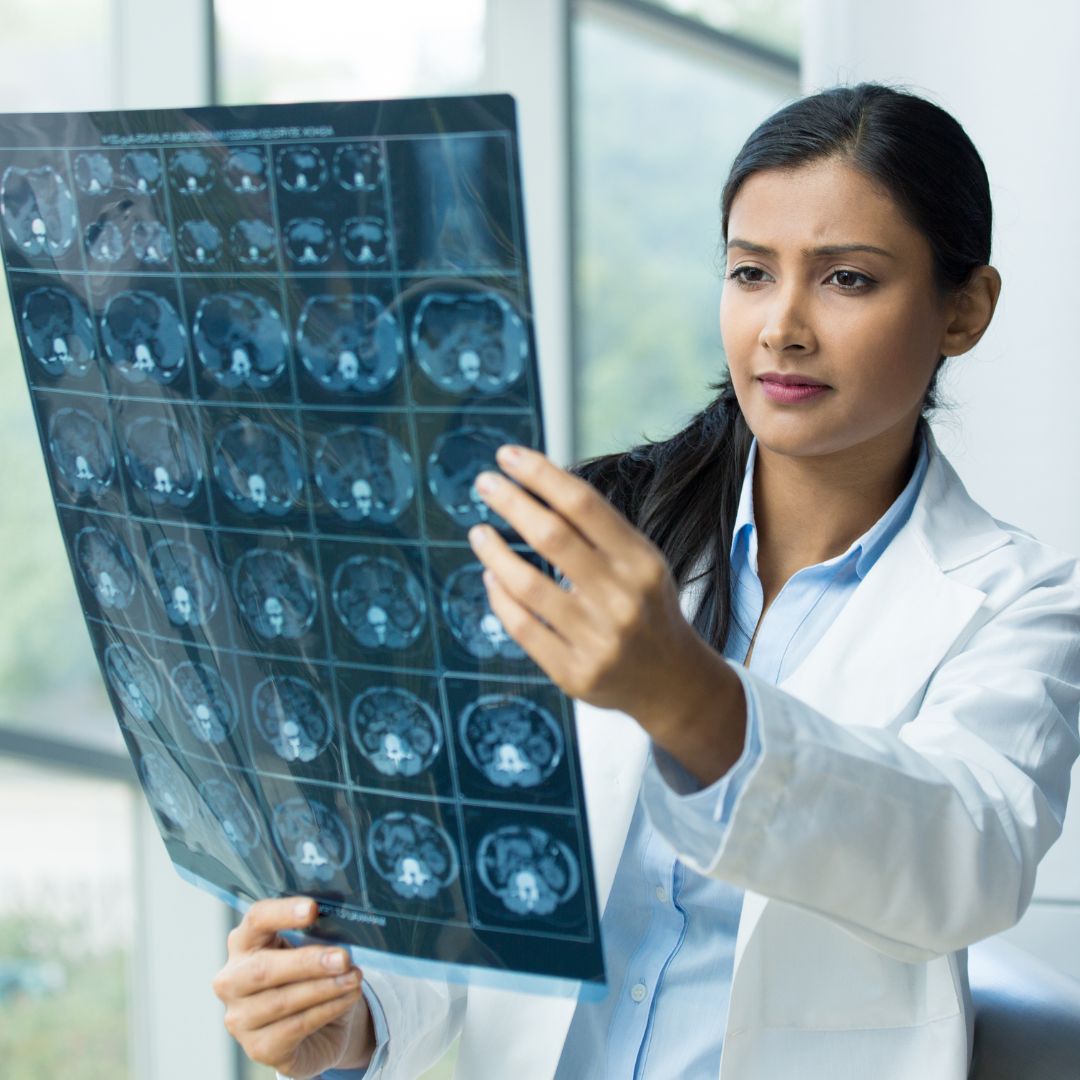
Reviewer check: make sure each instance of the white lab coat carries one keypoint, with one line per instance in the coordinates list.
(915, 769)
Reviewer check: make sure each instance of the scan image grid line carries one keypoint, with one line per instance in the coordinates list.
(269, 349)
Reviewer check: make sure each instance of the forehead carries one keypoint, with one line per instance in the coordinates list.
(826, 202)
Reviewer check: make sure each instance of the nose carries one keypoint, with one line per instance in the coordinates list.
(786, 325)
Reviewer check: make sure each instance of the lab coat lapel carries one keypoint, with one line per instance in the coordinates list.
(900, 622)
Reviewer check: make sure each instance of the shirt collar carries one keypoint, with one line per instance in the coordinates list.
(866, 548)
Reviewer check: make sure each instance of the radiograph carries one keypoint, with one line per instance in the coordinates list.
(257, 468)
(269, 351)
(106, 565)
(292, 716)
(399, 734)
(143, 336)
(348, 343)
(187, 583)
(275, 592)
(312, 836)
(365, 474)
(412, 854)
(58, 331)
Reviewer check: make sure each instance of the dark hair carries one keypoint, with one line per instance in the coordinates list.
(683, 492)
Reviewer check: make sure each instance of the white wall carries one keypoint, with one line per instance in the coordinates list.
(1007, 73)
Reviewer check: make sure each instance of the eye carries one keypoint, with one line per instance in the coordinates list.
(853, 274)
(739, 271)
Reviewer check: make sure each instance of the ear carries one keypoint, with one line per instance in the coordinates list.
(970, 310)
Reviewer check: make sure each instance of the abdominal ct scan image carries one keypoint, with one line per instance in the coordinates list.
(269, 350)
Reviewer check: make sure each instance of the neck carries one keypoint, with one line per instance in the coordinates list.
(810, 509)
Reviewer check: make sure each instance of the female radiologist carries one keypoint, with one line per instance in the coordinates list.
(827, 704)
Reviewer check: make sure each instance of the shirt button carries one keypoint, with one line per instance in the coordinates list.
(638, 992)
(661, 894)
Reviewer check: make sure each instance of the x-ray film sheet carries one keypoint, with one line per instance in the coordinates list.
(268, 350)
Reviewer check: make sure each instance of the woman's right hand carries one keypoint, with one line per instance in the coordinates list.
(292, 1008)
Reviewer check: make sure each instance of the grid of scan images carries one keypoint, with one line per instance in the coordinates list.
(269, 349)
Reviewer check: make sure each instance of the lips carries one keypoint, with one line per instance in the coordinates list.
(790, 380)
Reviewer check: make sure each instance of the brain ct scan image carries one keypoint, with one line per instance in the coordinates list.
(162, 462)
(134, 681)
(308, 242)
(312, 836)
(151, 242)
(358, 166)
(58, 331)
(456, 459)
(245, 170)
(469, 342)
(468, 613)
(275, 593)
(379, 602)
(187, 583)
(240, 340)
(205, 701)
(412, 854)
(235, 818)
(167, 790)
(395, 731)
(200, 243)
(143, 337)
(253, 242)
(301, 168)
(82, 452)
(292, 716)
(140, 170)
(93, 173)
(258, 469)
(364, 474)
(269, 349)
(511, 740)
(105, 242)
(192, 172)
(38, 210)
(348, 343)
(530, 871)
(364, 242)
(107, 566)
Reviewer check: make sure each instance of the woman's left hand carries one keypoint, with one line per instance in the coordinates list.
(617, 638)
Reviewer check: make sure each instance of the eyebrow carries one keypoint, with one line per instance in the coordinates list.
(828, 249)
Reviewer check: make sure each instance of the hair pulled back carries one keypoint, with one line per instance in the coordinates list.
(683, 492)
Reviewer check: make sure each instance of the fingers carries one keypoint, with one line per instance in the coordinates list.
(265, 969)
(258, 929)
(267, 1007)
(554, 535)
(575, 499)
(277, 1042)
(533, 589)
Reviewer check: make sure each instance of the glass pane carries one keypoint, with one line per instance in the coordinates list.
(51, 56)
(655, 133)
(67, 908)
(363, 49)
(773, 23)
(55, 56)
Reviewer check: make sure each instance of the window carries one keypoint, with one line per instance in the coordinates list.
(363, 49)
(67, 903)
(656, 128)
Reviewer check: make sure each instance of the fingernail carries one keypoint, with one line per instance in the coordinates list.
(487, 481)
(477, 536)
(335, 961)
(303, 909)
(350, 978)
(509, 454)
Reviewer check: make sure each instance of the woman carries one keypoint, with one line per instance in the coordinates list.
(809, 801)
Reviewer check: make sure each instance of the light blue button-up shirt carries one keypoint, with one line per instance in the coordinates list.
(668, 932)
